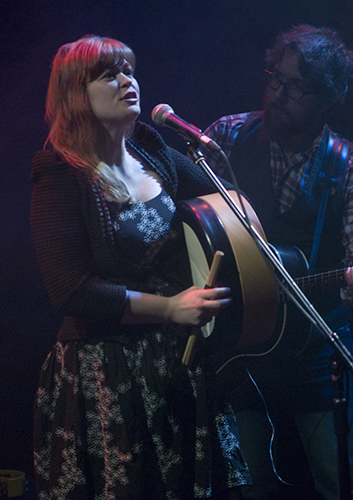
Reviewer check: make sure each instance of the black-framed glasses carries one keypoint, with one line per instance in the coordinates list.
(292, 90)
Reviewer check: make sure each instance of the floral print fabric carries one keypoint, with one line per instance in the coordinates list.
(122, 417)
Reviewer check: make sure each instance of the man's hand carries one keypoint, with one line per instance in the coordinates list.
(349, 279)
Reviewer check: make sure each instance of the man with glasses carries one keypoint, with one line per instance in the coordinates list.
(283, 159)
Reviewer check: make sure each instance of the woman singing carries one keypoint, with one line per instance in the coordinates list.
(117, 415)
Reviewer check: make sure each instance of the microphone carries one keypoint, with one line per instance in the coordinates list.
(163, 114)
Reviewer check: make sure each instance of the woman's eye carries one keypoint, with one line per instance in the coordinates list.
(109, 75)
(127, 71)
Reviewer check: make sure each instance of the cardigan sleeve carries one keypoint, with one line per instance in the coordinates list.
(62, 246)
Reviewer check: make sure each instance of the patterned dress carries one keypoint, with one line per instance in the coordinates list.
(121, 417)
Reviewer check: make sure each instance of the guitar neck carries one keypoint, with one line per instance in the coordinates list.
(320, 283)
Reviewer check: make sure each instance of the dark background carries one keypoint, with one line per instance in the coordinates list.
(204, 58)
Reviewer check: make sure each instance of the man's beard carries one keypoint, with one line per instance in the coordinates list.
(278, 122)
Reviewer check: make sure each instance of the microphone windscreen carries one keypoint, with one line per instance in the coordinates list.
(159, 113)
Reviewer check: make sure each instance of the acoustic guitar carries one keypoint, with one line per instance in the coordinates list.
(254, 324)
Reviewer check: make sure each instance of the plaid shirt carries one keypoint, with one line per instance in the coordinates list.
(288, 175)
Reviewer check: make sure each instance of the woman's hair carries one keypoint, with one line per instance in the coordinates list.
(323, 58)
(74, 130)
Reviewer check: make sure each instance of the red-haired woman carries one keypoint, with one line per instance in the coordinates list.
(117, 415)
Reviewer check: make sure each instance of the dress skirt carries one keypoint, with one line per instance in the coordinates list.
(117, 419)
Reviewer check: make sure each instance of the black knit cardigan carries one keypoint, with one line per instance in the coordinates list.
(83, 272)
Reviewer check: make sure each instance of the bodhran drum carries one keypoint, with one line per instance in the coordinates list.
(211, 225)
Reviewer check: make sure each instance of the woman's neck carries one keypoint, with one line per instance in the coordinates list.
(115, 153)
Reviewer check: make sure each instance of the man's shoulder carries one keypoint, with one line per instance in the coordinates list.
(226, 129)
(230, 120)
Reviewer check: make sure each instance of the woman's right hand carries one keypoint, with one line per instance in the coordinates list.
(194, 306)
(197, 306)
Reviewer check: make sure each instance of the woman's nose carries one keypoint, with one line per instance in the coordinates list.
(124, 80)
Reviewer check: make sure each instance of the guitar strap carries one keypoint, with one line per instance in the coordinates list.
(334, 161)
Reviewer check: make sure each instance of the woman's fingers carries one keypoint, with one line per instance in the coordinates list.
(196, 306)
(217, 298)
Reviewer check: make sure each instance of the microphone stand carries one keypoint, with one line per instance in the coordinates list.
(299, 298)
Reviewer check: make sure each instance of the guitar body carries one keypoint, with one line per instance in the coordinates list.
(265, 361)
(289, 337)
